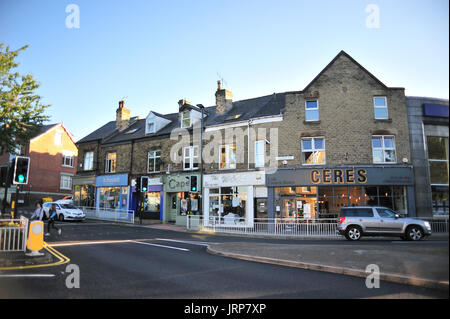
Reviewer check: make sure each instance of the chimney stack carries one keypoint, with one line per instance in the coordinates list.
(224, 99)
(122, 116)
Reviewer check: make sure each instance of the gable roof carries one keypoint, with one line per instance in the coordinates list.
(45, 128)
(343, 53)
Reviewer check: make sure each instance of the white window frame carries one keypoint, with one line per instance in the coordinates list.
(380, 107)
(70, 160)
(436, 160)
(228, 164)
(150, 121)
(383, 148)
(65, 182)
(260, 156)
(58, 138)
(313, 150)
(152, 156)
(109, 163)
(190, 158)
(314, 109)
(183, 118)
(88, 159)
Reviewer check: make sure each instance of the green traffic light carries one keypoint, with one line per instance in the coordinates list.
(21, 178)
(144, 189)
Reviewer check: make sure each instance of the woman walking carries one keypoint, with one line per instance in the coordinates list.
(51, 220)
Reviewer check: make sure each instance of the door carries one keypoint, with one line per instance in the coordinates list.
(388, 222)
(173, 206)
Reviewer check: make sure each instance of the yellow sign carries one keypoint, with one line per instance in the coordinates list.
(36, 236)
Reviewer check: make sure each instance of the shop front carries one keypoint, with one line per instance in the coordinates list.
(153, 200)
(181, 198)
(112, 192)
(84, 191)
(310, 193)
(230, 198)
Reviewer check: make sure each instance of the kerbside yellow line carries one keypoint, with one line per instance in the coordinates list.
(61, 260)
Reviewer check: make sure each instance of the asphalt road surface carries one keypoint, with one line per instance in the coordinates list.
(122, 261)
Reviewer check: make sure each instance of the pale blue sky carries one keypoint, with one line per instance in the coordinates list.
(157, 52)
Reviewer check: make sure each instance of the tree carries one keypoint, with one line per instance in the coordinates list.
(21, 110)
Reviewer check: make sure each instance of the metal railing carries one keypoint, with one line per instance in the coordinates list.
(13, 234)
(319, 227)
(109, 214)
(438, 225)
(324, 227)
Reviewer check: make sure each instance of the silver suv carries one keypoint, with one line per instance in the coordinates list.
(357, 221)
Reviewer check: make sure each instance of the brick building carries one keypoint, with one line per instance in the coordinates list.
(53, 159)
(342, 140)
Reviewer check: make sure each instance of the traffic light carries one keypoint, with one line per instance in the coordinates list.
(21, 168)
(144, 184)
(193, 183)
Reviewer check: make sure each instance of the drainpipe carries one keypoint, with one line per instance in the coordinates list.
(248, 143)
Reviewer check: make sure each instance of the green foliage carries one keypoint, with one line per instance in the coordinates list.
(21, 111)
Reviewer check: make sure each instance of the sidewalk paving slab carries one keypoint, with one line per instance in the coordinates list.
(426, 267)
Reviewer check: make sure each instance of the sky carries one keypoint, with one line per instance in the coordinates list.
(154, 53)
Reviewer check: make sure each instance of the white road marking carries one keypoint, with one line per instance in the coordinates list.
(199, 243)
(162, 246)
(79, 243)
(27, 275)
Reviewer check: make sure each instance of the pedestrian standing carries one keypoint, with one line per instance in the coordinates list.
(51, 221)
(39, 212)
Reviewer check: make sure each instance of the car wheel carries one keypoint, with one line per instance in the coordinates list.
(414, 233)
(353, 233)
(61, 217)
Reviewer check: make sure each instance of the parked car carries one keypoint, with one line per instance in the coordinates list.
(357, 221)
(65, 211)
(65, 200)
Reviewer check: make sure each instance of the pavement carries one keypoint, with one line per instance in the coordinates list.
(424, 264)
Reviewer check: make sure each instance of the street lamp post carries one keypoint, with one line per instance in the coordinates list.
(202, 108)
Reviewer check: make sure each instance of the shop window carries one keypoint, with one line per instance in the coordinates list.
(88, 161)
(152, 202)
(439, 196)
(110, 165)
(312, 110)
(380, 108)
(383, 149)
(154, 162)
(228, 205)
(227, 157)
(109, 197)
(313, 151)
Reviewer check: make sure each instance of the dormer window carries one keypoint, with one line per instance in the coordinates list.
(186, 119)
(150, 126)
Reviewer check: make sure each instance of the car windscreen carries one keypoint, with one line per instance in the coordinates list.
(67, 206)
(356, 212)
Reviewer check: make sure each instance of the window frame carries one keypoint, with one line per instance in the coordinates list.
(71, 160)
(91, 161)
(110, 168)
(262, 153)
(312, 109)
(191, 158)
(228, 163)
(61, 181)
(433, 160)
(380, 107)
(313, 149)
(147, 130)
(383, 148)
(183, 118)
(154, 158)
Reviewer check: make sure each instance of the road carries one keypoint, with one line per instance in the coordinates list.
(124, 261)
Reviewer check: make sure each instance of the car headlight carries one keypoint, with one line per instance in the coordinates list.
(427, 225)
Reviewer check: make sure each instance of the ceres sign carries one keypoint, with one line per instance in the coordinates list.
(338, 176)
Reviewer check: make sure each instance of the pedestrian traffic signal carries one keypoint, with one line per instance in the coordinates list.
(193, 183)
(21, 169)
(144, 183)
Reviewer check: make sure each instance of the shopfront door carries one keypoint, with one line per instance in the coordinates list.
(173, 207)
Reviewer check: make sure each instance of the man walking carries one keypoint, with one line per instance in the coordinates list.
(51, 221)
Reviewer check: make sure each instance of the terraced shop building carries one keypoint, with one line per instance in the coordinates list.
(344, 141)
